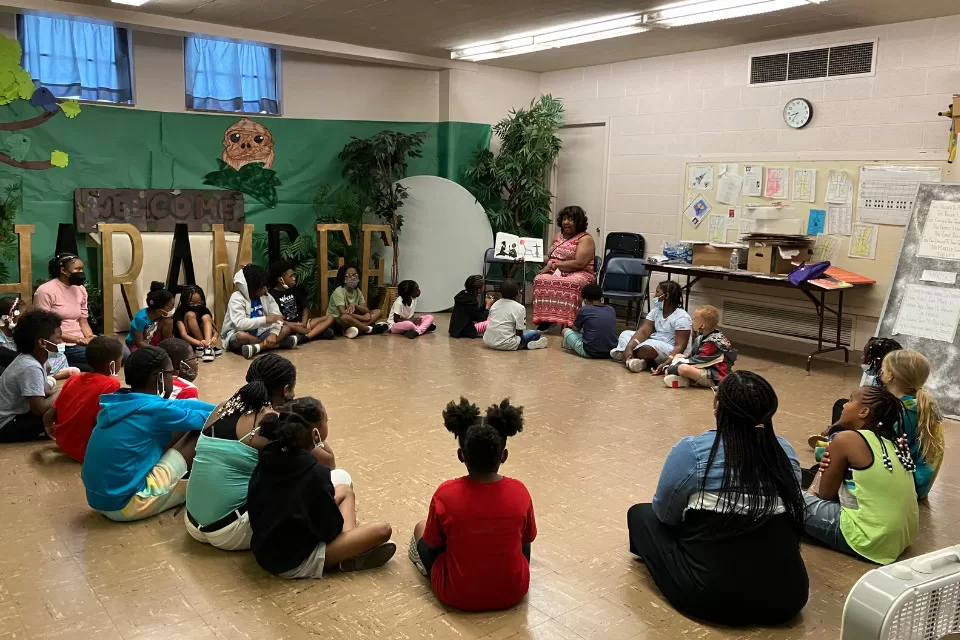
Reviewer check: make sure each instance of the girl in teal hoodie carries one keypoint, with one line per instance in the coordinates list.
(143, 444)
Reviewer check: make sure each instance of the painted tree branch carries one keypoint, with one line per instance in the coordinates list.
(27, 124)
(27, 164)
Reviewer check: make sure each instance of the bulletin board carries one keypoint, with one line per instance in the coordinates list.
(870, 300)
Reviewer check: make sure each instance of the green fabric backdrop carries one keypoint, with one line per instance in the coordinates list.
(114, 147)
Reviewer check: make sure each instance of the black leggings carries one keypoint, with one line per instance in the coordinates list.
(428, 555)
(26, 427)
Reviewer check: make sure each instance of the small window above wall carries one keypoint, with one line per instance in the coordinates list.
(231, 77)
(77, 59)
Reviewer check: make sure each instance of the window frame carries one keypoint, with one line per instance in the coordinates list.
(256, 114)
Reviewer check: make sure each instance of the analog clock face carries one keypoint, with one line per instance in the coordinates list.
(797, 113)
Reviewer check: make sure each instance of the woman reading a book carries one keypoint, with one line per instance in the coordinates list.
(569, 268)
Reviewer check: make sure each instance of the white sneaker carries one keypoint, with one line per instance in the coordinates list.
(206, 355)
(636, 365)
(676, 382)
(616, 355)
(250, 351)
(351, 332)
(540, 343)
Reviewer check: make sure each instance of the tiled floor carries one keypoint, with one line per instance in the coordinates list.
(594, 442)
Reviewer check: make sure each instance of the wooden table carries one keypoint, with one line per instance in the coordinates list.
(695, 273)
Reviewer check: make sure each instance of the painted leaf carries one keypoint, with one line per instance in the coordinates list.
(252, 179)
(18, 145)
(24, 83)
(70, 108)
(10, 53)
(59, 159)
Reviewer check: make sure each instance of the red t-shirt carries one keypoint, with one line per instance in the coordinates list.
(77, 407)
(709, 349)
(183, 390)
(482, 525)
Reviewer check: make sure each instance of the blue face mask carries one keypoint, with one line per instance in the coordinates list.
(658, 304)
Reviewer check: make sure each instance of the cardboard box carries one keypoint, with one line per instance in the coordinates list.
(709, 256)
(768, 257)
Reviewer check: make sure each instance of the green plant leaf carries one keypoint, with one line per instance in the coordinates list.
(19, 146)
(59, 158)
(70, 108)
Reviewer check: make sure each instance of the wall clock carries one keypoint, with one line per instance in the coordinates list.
(798, 113)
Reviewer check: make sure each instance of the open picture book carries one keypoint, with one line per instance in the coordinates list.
(510, 247)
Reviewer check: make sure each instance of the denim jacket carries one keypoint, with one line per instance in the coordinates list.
(683, 474)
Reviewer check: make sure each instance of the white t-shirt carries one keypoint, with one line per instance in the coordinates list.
(404, 311)
(665, 329)
(506, 318)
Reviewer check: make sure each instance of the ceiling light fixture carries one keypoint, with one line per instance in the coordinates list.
(132, 3)
(563, 36)
(700, 11)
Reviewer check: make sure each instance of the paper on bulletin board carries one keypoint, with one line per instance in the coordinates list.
(941, 232)
(839, 220)
(776, 186)
(701, 177)
(717, 228)
(826, 248)
(753, 180)
(929, 312)
(943, 277)
(863, 241)
(697, 210)
(728, 188)
(816, 221)
(887, 193)
(804, 185)
(730, 167)
(839, 187)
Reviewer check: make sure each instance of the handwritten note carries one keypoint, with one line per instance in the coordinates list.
(753, 180)
(863, 241)
(929, 312)
(728, 188)
(943, 277)
(816, 221)
(827, 248)
(804, 185)
(717, 229)
(776, 183)
(839, 220)
(839, 187)
(941, 232)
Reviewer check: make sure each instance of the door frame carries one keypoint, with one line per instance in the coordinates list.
(601, 227)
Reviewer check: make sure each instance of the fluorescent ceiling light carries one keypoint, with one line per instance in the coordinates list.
(132, 3)
(562, 36)
(687, 13)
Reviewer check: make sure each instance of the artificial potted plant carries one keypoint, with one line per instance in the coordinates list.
(374, 166)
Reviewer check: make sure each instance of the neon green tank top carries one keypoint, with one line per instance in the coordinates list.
(879, 515)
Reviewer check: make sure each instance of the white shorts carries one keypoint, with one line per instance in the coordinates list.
(233, 537)
(663, 349)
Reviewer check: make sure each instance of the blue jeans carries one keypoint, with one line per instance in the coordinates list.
(821, 520)
(528, 336)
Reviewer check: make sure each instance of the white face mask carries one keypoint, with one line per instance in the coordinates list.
(113, 369)
(865, 367)
(58, 348)
(161, 387)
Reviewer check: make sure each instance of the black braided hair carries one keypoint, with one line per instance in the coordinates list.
(405, 290)
(257, 279)
(672, 292)
(266, 375)
(483, 440)
(886, 420)
(158, 297)
(757, 475)
(288, 430)
(142, 364)
(473, 284)
(310, 409)
(188, 290)
(876, 350)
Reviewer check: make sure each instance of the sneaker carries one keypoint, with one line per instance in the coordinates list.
(217, 352)
(432, 327)
(540, 343)
(290, 342)
(302, 339)
(410, 333)
(250, 351)
(676, 382)
(376, 557)
(636, 365)
(380, 327)
(351, 332)
(414, 556)
(616, 355)
(816, 441)
(327, 335)
(207, 355)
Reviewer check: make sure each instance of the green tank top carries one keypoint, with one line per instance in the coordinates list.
(219, 478)
(879, 515)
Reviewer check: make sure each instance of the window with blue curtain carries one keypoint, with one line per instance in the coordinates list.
(230, 76)
(77, 59)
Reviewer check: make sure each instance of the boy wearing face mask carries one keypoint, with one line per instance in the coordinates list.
(186, 367)
(711, 358)
(349, 309)
(71, 419)
(56, 365)
(23, 385)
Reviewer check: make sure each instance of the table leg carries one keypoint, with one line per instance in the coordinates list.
(822, 308)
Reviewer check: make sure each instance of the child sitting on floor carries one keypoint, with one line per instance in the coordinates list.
(866, 503)
(402, 319)
(475, 544)
(313, 411)
(594, 331)
(71, 419)
(293, 305)
(712, 354)
(154, 322)
(903, 373)
(25, 394)
(302, 523)
(469, 318)
(56, 366)
(665, 332)
(186, 368)
(253, 322)
(143, 445)
(349, 309)
(193, 322)
(507, 327)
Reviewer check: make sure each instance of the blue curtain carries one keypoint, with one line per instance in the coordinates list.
(226, 76)
(76, 59)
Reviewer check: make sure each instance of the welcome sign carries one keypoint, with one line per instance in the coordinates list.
(158, 209)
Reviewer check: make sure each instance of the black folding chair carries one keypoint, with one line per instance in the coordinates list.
(494, 281)
(631, 271)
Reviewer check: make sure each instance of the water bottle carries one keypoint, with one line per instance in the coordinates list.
(734, 259)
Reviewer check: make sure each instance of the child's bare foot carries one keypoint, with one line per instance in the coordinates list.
(376, 557)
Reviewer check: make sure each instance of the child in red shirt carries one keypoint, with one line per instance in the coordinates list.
(475, 543)
(71, 419)
(186, 368)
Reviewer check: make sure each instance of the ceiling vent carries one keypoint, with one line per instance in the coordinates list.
(804, 65)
